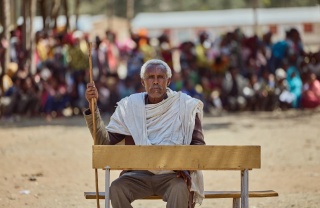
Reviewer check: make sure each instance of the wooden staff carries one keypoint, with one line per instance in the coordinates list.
(92, 103)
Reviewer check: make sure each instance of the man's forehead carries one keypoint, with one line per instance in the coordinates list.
(156, 66)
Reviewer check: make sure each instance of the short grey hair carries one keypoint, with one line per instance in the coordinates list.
(155, 62)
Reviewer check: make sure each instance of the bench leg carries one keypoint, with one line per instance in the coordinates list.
(107, 187)
(244, 188)
(236, 203)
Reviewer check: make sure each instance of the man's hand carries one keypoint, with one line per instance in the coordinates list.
(185, 175)
(91, 93)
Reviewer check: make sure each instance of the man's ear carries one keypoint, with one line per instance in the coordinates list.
(142, 82)
(169, 81)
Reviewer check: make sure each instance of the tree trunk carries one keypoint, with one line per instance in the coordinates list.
(130, 12)
(110, 13)
(77, 9)
(6, 35)
(56, 4)
(6, 31)
(43, 13)
(13, 13)
(255, 16)
(31, 56)
(1, 49)
(26, 25)
(66, 13)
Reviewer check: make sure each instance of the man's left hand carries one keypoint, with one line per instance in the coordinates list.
(185, 175)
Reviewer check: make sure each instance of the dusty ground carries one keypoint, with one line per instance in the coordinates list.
(44, 165)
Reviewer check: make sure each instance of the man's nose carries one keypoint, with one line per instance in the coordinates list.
(155, 80)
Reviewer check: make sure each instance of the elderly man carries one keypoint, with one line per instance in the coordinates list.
(158, 116)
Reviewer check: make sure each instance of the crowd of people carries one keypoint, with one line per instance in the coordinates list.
(231, 72)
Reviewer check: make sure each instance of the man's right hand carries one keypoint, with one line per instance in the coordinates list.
(92, 95)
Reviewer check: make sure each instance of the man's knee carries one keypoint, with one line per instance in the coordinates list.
(120, 196)
(177, 194)
(117, 185)
(182, 185)
(178, 187)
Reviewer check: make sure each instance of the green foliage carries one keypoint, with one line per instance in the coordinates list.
(100, 6)
(266, 3)
(120, 6)
(289, 3)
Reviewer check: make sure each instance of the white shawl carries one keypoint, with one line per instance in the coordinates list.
(170, 122)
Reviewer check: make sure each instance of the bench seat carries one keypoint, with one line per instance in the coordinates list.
(208, 194)
(200, 157)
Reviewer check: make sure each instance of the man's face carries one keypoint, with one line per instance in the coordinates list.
(155, 82)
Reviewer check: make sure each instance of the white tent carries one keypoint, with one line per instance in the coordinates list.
(218, 18)
(185, 25)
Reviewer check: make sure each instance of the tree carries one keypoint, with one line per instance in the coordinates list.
(6, 36)
(31, 56)
(77, 9)
(43, 11)
(56, 4)
(130, 12)
(66, 13)
(110, 13)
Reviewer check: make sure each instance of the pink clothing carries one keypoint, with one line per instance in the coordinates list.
(311, 95)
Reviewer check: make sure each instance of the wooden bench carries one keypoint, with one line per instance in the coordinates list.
(208, 157)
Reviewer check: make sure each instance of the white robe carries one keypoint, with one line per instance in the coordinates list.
(170, 122)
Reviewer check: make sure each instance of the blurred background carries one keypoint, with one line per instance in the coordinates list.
(234, 55)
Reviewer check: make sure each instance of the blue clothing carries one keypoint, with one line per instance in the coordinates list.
(295, 85)
(279, 49)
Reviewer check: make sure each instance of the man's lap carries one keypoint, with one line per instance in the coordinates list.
(141, 184)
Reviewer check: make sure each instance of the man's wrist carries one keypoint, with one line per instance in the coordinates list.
(87, 112)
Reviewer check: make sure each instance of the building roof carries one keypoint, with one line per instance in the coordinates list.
(220, 18)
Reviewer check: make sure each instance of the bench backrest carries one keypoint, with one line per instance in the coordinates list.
(182, 157)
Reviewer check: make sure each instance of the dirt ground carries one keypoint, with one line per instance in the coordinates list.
(48, 164)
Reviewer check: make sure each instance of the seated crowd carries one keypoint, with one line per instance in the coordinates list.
(231, 72)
